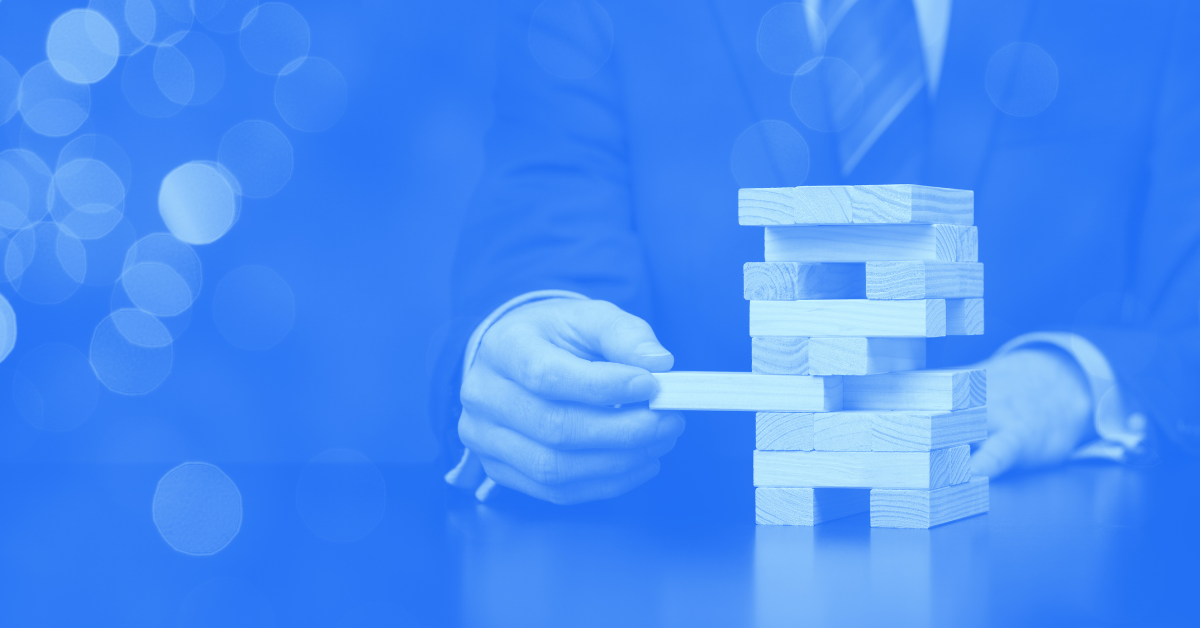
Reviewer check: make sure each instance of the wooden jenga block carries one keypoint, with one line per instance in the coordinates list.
(835, 355)
(842, 204)
(872, 243)
(705, 390)
(863, 469)
(807, 506)
(925, 508)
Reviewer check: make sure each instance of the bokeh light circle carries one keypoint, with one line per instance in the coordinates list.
(571, 39)
(139, 83)
(198, 202)
(311, 96)
(1021, 79)
(786, 41)
(131, 352)
(259, 155)
(102, 148)
(174, 75)
(223, 16)
(50, 104)
(106, 255)
(44, 263)
(8, 328)
(26, 200)
(161, 275)
(10, 84)
(253, 307)
(769, 154)
(14, 197)
(341, 495)
(828, 95)
(273, 36)
(53, 387)
(82, 46)
(158, 21)
(114, 12)
(88, 198)
(197, 509)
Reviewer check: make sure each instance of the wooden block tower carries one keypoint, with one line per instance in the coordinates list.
(856, 278)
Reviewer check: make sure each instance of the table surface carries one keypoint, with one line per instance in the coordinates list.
(1087, 544)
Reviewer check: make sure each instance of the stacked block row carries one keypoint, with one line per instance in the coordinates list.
(855, 279)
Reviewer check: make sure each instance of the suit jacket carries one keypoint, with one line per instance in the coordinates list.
(619, 186)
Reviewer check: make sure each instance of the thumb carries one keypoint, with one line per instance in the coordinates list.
(621, 337)
(997, 454)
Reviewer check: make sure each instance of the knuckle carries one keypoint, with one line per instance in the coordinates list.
(552, 428)
(538, 376)
(547, 468)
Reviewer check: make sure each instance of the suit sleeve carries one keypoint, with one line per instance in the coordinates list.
(1153, 343)
(552, 210)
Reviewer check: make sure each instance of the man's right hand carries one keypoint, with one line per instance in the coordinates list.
(554, 402)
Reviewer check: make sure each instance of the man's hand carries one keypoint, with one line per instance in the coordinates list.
(1039, 411)
(540, 402)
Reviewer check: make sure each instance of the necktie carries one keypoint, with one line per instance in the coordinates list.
(879, 40)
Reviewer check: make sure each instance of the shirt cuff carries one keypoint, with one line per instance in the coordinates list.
(1120, 431)
(468, 474)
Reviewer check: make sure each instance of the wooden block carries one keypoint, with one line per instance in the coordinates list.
(872, 243)
(789, 281)
(841, 204)
(923, 280)
(859, 430)
(710, 390)
(922, 431)
(924, 508)
(835, 355)
(787, 431)
(863, 469)
(807, 506)
(964, 317)
(849, 317)
(842, 431)
(939, 389)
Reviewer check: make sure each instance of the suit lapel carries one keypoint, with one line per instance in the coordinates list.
(964, 118)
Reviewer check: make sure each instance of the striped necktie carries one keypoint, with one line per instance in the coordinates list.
(880, 41)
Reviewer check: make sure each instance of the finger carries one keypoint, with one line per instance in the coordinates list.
(616, 335)
(522, 354)
(997, 454)
(563, 424)
(574, 492)
(542, 464)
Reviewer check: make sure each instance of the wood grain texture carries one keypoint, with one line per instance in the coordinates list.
(849, 317)
(964, 317)
(924, 280)
(862, 469)
(841, 204)
(842, 431)
(835, 355)
(789, 281)
(872, 243)
(923, 431)
(918, 508)
(807, 506)
(714, 390)
(867, 430)
(939, 389)
(785, 431)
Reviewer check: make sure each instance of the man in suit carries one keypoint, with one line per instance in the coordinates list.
(604, 230)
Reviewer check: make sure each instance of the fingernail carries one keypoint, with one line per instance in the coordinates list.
(642, 387)
(669, 426)
(651, 350)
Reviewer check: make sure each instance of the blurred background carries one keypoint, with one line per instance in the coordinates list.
(340, 255)
(225, 306)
